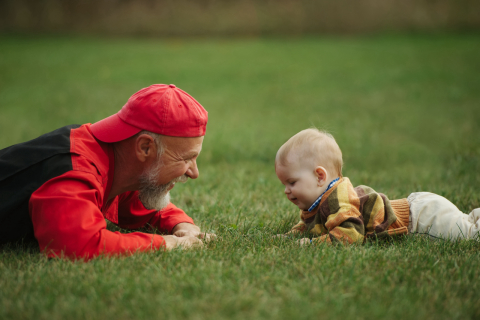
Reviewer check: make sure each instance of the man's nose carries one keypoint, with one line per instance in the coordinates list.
(192, 171)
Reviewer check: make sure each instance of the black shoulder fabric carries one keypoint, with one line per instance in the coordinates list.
(20, 156)
(23, 169)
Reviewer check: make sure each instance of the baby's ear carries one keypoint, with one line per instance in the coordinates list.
(321, 174)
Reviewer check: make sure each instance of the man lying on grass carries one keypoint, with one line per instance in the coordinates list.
(310, 166)
(58, 189)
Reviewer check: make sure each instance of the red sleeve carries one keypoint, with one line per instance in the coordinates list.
(132, 214)
(66, 218)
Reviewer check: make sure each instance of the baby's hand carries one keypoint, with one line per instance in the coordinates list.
(304, 241)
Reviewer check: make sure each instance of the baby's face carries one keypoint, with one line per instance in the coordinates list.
(301, 183)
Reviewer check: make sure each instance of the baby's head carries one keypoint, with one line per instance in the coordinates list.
(306, 164)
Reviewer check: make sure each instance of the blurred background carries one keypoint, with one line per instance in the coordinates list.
(236, 17)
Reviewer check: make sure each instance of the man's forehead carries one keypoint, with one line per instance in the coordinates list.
(184, 144)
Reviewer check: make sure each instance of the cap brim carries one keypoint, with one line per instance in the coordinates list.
(113, 129)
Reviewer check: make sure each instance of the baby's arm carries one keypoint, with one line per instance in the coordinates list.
(300, 227)
(344, 226)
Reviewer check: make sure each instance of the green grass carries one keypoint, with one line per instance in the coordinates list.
(404, 109)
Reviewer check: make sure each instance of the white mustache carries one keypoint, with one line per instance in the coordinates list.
(181, 179)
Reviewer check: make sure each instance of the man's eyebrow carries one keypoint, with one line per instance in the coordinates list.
(190, 155)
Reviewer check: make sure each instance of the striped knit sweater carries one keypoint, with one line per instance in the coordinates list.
(351, 215)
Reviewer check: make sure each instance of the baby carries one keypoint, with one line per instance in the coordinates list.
(310, 163)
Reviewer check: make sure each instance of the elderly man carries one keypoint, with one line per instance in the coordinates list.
(60, 187)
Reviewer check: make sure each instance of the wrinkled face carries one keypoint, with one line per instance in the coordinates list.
(177, 164)
(301, 183)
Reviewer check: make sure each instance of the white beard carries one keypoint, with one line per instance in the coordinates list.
(152, 195)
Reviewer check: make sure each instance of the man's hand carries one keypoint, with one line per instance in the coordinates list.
(185, 229)
(186, 242)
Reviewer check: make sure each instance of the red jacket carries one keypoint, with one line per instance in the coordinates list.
(68, 211)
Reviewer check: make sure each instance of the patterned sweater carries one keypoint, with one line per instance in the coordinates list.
(351, 215)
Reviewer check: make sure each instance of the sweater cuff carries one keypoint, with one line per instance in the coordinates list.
(402, 211)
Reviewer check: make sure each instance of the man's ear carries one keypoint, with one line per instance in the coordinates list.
(145, 147)
(321, 174)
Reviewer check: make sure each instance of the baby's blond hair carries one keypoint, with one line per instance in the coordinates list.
(313, 144)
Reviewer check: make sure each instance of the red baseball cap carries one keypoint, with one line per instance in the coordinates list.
(159, 108)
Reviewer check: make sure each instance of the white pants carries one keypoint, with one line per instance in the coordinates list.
(436, 216)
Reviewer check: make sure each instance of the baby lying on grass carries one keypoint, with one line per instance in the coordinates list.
(310, 163)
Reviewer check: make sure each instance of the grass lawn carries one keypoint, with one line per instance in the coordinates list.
(404, 109)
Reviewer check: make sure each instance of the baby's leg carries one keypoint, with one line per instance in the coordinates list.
(434, 215)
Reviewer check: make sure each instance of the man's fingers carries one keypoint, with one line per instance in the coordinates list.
(181, 233)
(170, 242)
(201, 235)
(207, 236)
(188, 242)
(210, 236)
